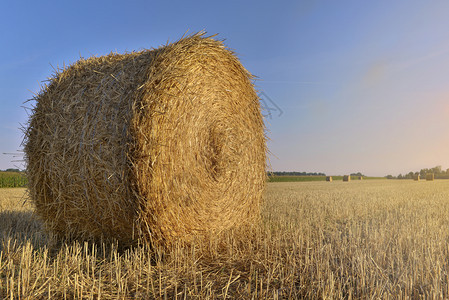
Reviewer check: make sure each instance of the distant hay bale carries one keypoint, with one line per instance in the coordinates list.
(346, 178)
(430, 177)
(360, 177)
(162, 144)
(416, 177)
(329, 178)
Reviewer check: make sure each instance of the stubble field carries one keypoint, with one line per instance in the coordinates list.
(319, 240)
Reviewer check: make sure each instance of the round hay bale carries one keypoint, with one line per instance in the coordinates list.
(161, 144)
(346, 178)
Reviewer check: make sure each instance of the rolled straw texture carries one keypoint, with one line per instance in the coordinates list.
(161, 144)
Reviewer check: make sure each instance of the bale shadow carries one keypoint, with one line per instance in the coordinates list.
(22, 227)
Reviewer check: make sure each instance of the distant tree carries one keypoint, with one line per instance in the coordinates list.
(400, 176)
(357, 174)
(436, 170)
(423, 172)
(389, 177)
(12, 170)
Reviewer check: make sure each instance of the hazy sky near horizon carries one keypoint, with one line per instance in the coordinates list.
(349, 86)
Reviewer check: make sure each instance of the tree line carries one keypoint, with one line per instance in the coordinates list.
(294, 173)
(437, 171)
(10, 170)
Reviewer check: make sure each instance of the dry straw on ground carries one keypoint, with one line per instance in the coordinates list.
(161, 144)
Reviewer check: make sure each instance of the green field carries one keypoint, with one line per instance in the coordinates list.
(12, 179)
(17, 179)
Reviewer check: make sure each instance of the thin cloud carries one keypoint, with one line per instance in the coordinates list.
(294, 82)
(424, 58)
(20, 62)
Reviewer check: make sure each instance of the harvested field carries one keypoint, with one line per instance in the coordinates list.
(376, 239)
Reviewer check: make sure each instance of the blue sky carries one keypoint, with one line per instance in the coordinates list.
(362, 85)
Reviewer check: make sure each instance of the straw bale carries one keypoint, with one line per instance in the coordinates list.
(430, 177)
(416, 177)
(162, 144)
(346, 178)
(329, 178)
(360, 177)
